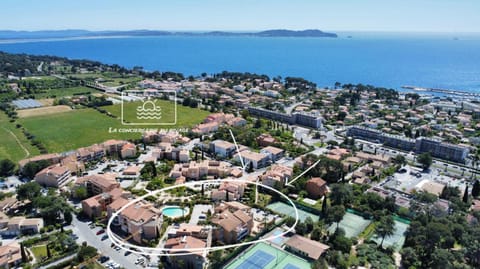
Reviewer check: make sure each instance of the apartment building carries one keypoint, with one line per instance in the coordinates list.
(277, 176)
(441, 150)
(222, 148)
(165, 150)
(97, 205)
(232, 227)
(53, 176)
(96, 184)
(188, 258)
(311, 120)
(273, 153)
(437, 148)
(257, 160)
(140, 220)
(196, 171)
(233, 189)
(19, 225)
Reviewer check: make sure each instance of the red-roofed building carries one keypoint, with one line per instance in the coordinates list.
(316, 187)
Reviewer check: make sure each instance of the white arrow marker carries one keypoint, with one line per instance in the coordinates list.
(303, 173)
(238, 150)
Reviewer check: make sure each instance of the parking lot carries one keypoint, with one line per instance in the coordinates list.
(96, 236)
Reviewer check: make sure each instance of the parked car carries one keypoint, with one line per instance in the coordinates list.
(101, 232)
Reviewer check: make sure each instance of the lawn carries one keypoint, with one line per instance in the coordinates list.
(39, 251)
(9, 146)
(67, 131)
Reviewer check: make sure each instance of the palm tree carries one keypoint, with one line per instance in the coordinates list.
(385, 227)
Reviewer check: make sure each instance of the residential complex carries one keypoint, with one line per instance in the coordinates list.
(299, 118)
(437, 148)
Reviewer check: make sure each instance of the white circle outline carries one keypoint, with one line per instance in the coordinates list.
(145, 250)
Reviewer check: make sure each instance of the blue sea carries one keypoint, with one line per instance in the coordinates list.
(383, 59)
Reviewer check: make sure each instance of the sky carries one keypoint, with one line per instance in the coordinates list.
(241, 15)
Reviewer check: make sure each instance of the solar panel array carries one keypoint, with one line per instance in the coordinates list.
(26, 103)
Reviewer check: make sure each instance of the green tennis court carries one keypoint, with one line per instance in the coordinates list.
(265, 256)
(288, 210)
(352, 224)
(396, 240)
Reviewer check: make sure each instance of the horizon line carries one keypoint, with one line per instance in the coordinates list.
(252, 30)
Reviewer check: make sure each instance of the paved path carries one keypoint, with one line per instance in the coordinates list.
(27, 153)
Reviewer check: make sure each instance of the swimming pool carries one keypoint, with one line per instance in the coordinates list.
(174, 211)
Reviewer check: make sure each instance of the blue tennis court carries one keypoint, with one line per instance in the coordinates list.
(290, 266)
(259, 259)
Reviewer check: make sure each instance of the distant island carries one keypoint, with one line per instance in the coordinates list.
(8, 35)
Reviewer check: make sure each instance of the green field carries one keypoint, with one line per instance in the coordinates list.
(9, 146)
(39, 251)
(64, 92)
(186, 116)
(83, 127)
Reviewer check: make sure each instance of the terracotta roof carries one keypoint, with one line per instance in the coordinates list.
(273, 150)
(318, 181)
(184, 243)
(139, 212)
(118, 203)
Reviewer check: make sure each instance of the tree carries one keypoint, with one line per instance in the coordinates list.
(409, 258)
(385, 227)
(86, 252)
(476, 188)
(81, 192)
(23, 253)
(32, 168)
(28, 191)
(425, 159)
(324, 207)
(7, 168)
(67, 217)
(341, 194)
(335, 214)
(465, 195)
(250, 167)
(49, 254)
(399, 160)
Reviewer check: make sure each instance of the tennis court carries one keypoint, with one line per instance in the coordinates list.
(397, 239)
(288, 210)
(352, 224)
(265, 256)
(280, 240)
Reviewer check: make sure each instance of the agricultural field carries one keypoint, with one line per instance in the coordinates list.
(83, 127)
(66, 131)
(57, 93)
(41, 111)
(13, 143)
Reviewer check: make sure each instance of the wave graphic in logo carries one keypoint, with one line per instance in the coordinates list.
(149, 111)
